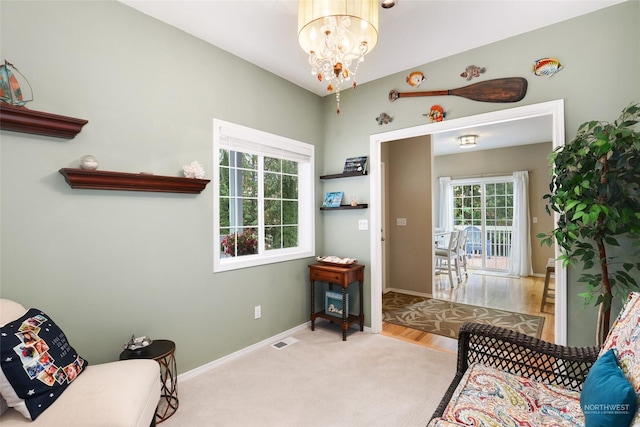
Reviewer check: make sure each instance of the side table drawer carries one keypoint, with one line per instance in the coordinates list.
(327, 276)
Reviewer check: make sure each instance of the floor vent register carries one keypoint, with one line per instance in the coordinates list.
(284, 343)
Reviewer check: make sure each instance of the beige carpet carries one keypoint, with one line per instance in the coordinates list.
(445, 317)
(369, 380)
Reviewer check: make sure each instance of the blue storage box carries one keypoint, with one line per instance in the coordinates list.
(333, 304)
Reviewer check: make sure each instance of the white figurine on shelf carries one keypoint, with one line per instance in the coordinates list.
(193, 170)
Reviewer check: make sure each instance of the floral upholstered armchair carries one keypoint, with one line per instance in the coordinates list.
(507, 378)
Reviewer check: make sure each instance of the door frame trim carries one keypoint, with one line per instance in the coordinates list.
(553, 108)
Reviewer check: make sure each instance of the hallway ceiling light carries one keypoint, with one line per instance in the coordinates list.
(468, 141)
(335, 34)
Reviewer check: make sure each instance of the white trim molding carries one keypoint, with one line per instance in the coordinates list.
(555, 109)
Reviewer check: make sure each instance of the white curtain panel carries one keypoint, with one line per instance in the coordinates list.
(445, 212)
(520, 260)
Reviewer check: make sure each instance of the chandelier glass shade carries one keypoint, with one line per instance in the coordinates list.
(337, 34)
(468, 141)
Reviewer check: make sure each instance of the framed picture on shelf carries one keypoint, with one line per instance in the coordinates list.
(356, 164)
(332, 199)
(333, 304)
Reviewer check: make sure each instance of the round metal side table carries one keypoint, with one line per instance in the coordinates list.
(163, 352)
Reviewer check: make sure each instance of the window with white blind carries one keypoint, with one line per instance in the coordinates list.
(263, 201)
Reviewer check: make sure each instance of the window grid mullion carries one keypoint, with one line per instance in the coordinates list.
(261, 227)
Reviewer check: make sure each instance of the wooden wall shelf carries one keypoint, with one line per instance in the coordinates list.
(343, 207)
(103, 180)
(22, 119)
(343, 175)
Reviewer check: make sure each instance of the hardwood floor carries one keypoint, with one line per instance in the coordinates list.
(520, 295)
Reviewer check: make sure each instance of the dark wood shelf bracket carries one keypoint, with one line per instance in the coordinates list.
(22, 119)
(104, 180)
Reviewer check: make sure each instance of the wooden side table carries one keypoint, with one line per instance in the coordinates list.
(163, 352)
(342, 276)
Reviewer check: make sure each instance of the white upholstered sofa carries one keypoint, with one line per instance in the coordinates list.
(123, 393)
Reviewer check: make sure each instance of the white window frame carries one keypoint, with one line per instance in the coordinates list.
(244, 139)
(475, 181)
(494, 179)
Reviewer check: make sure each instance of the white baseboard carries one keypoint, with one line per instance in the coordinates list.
(215, 363)
(221, 361)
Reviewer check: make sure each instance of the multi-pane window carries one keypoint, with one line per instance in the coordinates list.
(492, 201)
(264, 204)
(485, 208)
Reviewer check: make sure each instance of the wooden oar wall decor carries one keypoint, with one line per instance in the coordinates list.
(508, 89)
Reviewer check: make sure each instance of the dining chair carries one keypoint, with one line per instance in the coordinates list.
(446, 258)
(475, 242)
(461, 251)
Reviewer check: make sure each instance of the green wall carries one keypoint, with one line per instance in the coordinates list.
(601, 55)
(107, 264)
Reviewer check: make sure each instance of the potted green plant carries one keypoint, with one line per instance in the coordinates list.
(595, 189)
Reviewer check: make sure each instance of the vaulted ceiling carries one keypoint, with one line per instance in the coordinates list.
(412, 33)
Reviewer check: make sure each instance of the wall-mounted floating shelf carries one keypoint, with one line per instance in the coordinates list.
(22, 119)
(343, 175)
(103, 180)
(343, 207)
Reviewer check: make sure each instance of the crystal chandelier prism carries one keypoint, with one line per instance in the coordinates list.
(337, 34)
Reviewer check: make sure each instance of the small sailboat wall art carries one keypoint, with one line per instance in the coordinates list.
(14, 87)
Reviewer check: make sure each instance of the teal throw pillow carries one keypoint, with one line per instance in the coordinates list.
(607, 397)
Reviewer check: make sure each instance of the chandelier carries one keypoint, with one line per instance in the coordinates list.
(337, 34)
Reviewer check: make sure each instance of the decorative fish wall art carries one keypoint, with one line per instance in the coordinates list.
(546, 67)
(436, 114)
(472, 71)
(415, 78)
(384, 119)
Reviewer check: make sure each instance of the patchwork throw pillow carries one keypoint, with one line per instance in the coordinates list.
(607, 397)
(38, 363)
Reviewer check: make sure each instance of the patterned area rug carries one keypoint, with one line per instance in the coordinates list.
(446, 317)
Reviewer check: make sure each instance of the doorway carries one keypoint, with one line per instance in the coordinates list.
(553, 109)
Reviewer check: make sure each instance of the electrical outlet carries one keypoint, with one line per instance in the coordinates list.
(401, 221)
(363, 224)
(257, 311)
